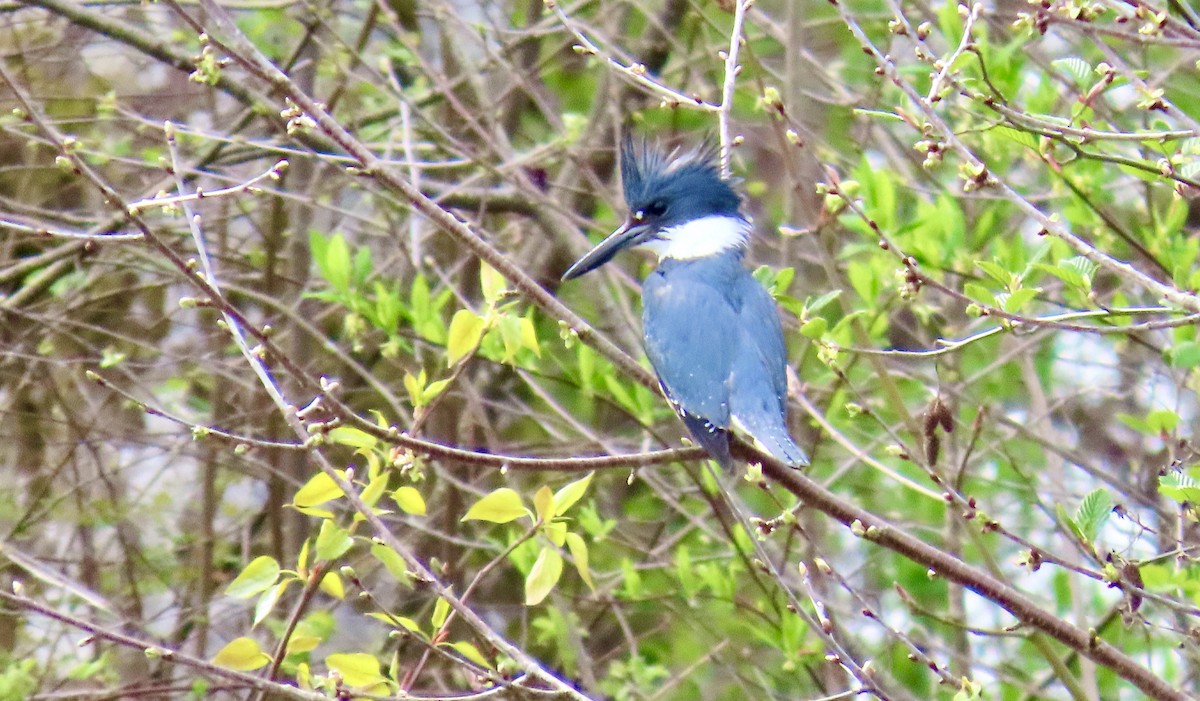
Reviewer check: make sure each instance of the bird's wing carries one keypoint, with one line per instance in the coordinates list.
(758, 381)
(691, 340)
(762, 336)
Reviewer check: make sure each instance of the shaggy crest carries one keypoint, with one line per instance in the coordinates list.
(645, 167)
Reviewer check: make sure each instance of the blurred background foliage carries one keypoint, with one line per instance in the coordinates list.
(915, 172)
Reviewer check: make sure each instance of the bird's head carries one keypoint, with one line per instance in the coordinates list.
(679, 207)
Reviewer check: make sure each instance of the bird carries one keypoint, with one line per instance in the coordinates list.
(711, 330)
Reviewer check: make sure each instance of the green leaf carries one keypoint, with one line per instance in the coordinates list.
(566, 497)
(357, 669)
(374, 490)
(466, 328)
(1093, 511)
(257, 576)
(332, 585)
(319, 489)
(543, 576)
(433, 390)
(441, 610)
(362, 266)
(470, 652)
(241, 654)
(491, 283)
(579, 553)
(1066, 519)
(392, 561)
(1162, 421)
(501, 506)
(353, 437)
(996, 271)
(812, 307)
(814, 328)
(267, 601)
(1179, 487)
(1015, 301)
(1185, 356)
(335, 266)
(543, 504)
(556, 532)
(529, 337)
(332, 541)
(1075, 67)
(409, 500)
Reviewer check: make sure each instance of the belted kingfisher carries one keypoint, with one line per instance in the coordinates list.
(712, 332)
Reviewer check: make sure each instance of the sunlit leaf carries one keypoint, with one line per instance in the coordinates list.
(441, 610)
(302, 643)
(543, 576)
(241, 654)
(466, 328)
(1179, 487)
(374, 490)
(409, 500)
(332, 541)
(543, 504)
(529, 337)
(579, 553)
(332, 585)
(491, 283)
(471, 652)
(501, 506)
(392, 561)
(319, 489)
(1093, 511)
(357, 669)
(353, 437)
(256, 577)
(266, 602)
(566, 497)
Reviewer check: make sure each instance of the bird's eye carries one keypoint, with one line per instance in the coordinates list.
(657, 208)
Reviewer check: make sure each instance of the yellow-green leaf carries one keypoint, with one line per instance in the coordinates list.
(501, 506)
(374, 490)
(579, 553)
(318, 490)
(332, 585)
(529, 336)
(566, 497)
(415, 385)
(353, 437)
(491, 283)
(392, 561)
(241, 654)
(543, 576)
(402, 621)
(466, 328)
(471, 652)
(302, 643)
(302, 560)
(357, 669)
(257, 577)
(543, 502)
(441, 610)
(556, 532)
(409, 500)
(267, 601)
(332, 541)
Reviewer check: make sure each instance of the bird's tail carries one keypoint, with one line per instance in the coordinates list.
(772, 435)
(714, 440)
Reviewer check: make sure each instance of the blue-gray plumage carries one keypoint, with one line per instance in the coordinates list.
(712, 332)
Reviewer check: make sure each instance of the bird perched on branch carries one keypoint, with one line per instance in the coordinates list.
(712, 332)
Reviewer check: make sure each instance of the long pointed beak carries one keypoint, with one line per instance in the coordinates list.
(629, 234)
